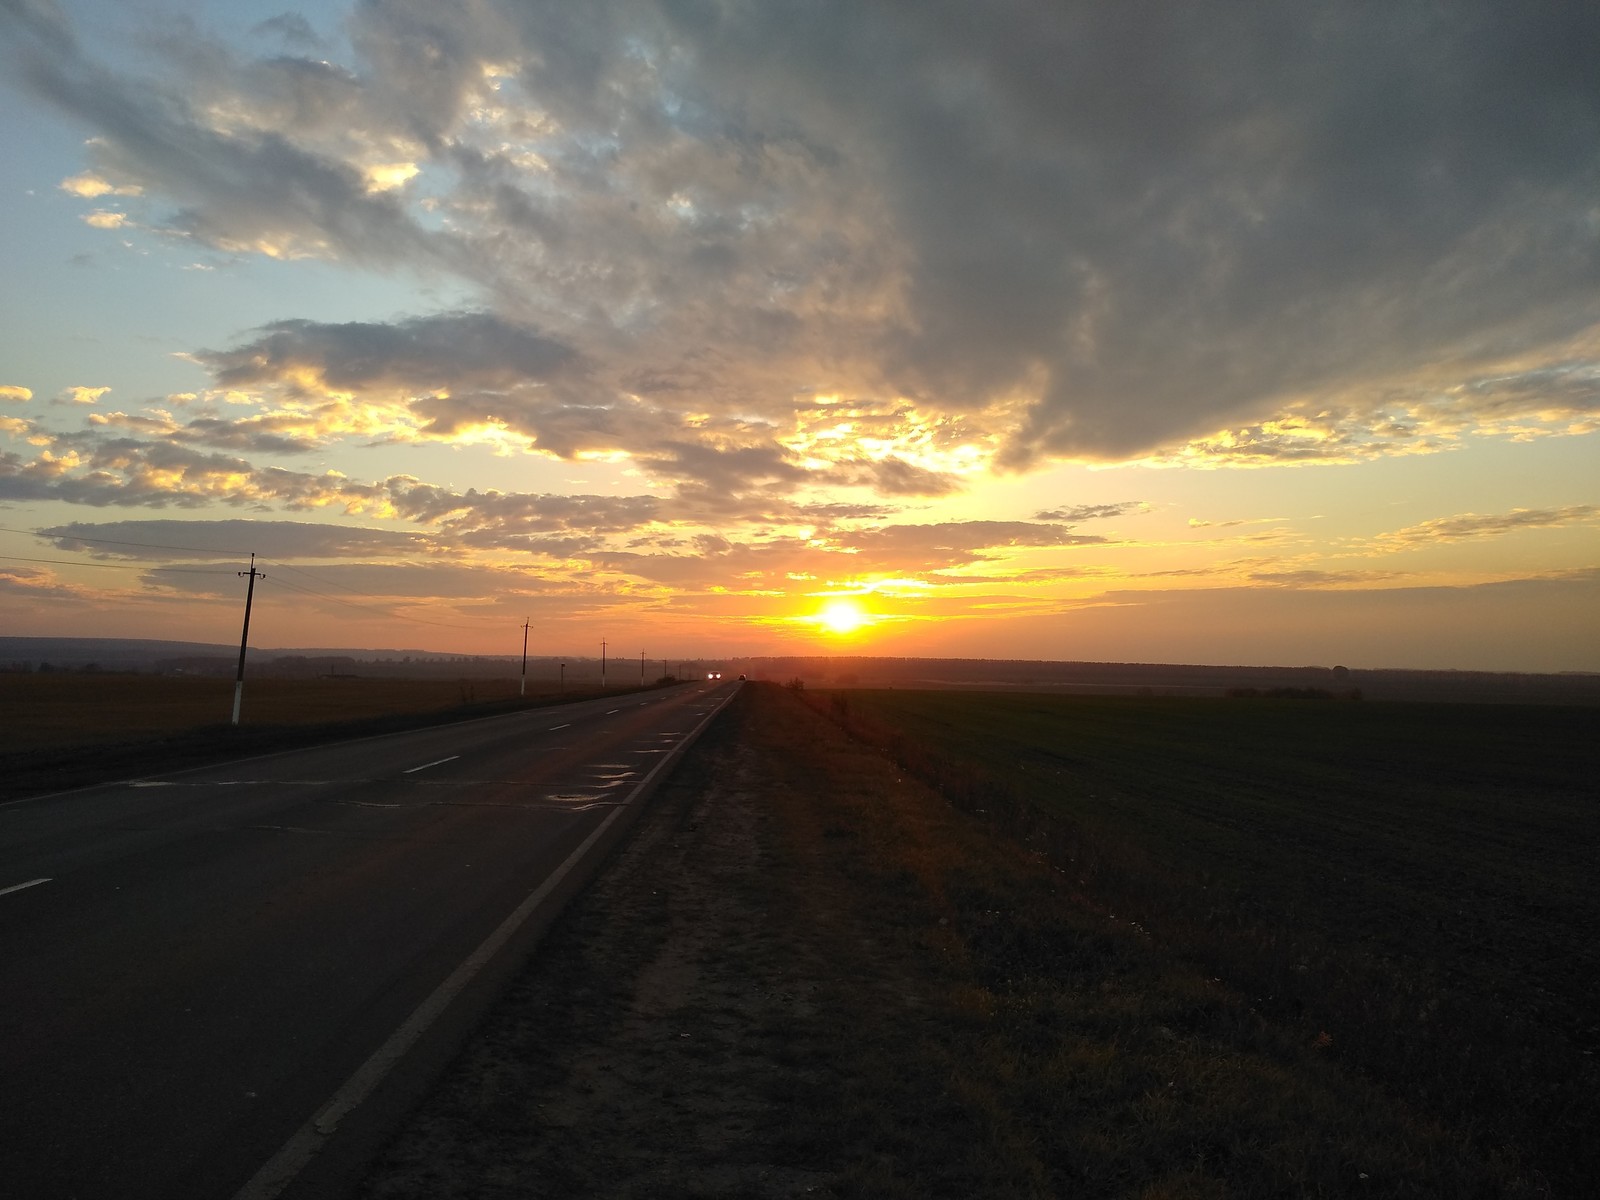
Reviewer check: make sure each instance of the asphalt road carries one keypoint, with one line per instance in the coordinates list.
(193, 966)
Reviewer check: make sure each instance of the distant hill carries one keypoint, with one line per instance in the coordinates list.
(109, 654)
(1155, 679)
(148, 655)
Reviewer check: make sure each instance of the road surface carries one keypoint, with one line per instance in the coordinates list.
(206, 978)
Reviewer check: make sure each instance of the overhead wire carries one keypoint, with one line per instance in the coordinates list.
(377, 606)
(67, 562)
(73, 537)
(386, 612)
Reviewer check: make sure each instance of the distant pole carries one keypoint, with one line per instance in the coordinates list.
(244, 639)
(522, 688)
(602, 664)
(563, 684)
(641, 668)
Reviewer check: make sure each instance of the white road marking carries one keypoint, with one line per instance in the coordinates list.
(614, 710)
(17, 887)
(279, 1171)
(434, 763)
(553, 728)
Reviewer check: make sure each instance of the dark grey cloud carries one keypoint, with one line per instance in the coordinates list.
(293, 29)
(159, 540)
(1090, 512)
(1092, 230)
(349, 589)
(470, 349)
(893, 476)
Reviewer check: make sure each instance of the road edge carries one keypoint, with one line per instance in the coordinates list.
(328, 1155)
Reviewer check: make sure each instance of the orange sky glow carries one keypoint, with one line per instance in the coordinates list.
(1211, 337)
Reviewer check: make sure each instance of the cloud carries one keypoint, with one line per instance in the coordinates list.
(1090, 512)
(15, 393)
(1081, 230)
(34, 585)
(449, 350)
(1321, 579)
(955, 543)
(292, 28)
(335, 587)
(90, 186)
(894, 476)
(157, 541)
(1466, 526)
(81, 395)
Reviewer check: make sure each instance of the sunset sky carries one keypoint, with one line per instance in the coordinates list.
(1212, 333)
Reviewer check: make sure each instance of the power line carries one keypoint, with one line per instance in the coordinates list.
(73, 537)
(377, 607)
(283, 566)
(374, 609)
(67, 562)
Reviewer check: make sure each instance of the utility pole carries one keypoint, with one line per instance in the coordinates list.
(522, 688)
(244, 640)
(602, 664)
(562, 686)
(641, 668)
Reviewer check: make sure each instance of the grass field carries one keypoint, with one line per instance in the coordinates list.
(1412, 887)
(42, 712)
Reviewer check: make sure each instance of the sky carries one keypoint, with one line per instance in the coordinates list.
(1036, 329)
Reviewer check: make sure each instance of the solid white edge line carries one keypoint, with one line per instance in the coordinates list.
(280, 1170)
(17, 887)
(425, 766)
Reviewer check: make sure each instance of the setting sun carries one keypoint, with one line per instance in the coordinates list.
(843, 617)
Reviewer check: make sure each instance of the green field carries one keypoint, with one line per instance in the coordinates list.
(1413, 885)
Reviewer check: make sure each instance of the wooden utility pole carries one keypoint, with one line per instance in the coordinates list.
(244, 640)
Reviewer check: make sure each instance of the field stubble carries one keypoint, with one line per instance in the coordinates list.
(1407, 887)
(808, 975)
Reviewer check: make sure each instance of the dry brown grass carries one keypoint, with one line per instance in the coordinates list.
(810, 975)
(53, 711)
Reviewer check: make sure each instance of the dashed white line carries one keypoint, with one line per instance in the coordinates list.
(17, 887)
(279, 1172)
(434, 763)
(553, 728)
(614, 710)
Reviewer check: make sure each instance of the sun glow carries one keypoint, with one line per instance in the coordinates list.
(842, 617)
